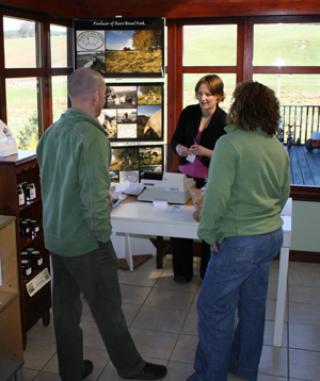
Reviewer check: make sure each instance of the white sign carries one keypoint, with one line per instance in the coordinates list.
(38, 282)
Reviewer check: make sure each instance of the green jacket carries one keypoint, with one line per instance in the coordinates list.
(248, 185)
(74, 156)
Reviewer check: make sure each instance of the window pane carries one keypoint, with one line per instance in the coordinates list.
(58, 41)
(22, 111)
(293, 89)
(190, 80)
(286, 45)
(59, 96)
(209, 45)
(299, 99)
(19, 43)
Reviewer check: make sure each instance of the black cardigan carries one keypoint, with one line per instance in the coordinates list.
(187, 130)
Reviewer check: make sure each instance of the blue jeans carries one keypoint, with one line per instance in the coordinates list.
(236, 279)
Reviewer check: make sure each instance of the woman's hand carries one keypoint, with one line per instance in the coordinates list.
(182, 150)
(198, 150)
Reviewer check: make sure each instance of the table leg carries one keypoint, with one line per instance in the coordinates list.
(281, 297)
(128, 250)
(160, 249)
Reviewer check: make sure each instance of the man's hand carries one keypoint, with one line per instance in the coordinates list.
(110, 197)
(215, 247)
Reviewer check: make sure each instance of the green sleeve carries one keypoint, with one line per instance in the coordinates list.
(222, 172)
(285, 191)
(94, 186)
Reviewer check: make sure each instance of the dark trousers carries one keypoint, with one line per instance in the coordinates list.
(95, 275)
(182, 257)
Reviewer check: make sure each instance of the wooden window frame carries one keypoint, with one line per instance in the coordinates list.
(43, 72)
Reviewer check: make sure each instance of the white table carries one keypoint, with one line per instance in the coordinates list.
(144, 219)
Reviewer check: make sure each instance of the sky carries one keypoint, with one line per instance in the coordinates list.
(148, 110)
(118, 39)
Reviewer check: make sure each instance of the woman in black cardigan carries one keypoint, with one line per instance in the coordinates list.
(198, 129)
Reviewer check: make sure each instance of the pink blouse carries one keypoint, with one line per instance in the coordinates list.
(195, 169)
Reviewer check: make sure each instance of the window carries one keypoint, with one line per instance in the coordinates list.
(33, 86)
(288, 62)
(19, 43)
(22, 111)
(59, 96)
(58, 42)
(286, 45)
(210, 45)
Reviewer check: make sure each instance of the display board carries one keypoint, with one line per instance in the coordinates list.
(133, 112)
(129, 163)
(117, 47)
(129, 53)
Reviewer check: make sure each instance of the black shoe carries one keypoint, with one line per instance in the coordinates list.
(181, 279)
(150, 372)
(87, 368)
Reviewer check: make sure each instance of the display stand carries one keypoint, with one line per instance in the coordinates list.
(15, 170)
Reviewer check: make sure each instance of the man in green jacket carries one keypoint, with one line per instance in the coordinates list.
(74, 156)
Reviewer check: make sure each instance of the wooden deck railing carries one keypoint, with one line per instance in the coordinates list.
(301, 120)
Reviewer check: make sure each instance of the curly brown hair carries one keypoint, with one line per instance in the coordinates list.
(255, 105)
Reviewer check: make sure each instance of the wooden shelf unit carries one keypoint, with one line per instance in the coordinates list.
(10, 317)
(15, 169)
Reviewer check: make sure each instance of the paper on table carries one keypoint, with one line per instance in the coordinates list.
(133, 189)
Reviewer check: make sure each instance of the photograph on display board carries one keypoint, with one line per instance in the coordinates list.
(124, 159)
(151, 159)
(149, 94)
(133, 51)
(133, 112)
(121, 96)
(108, 120)
(90, 47)
(91, 60)
(127, 131)
(149, 122)
(126, 115)
(128, 163)
(121, 46)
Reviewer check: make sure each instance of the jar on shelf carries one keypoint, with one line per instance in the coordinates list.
(33, 191)
(25, 228)
(35, 227)
(26, 268)
(30, 192)
(37, 259)
(21, 196)
(25, 255)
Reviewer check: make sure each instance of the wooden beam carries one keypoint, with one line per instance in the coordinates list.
(169, 8)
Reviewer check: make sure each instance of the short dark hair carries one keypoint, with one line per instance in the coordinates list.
(214, 83)
(83, 81)
(255, 105)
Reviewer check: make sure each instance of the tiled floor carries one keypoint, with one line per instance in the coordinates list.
(162, 319)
